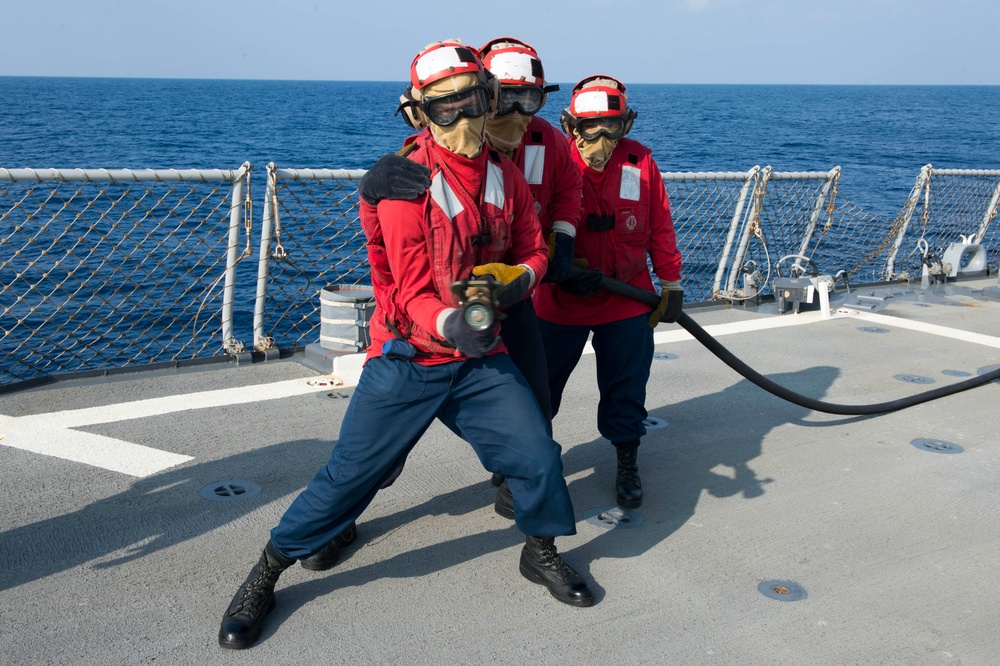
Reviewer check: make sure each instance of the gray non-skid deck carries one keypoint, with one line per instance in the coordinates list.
(894, 542)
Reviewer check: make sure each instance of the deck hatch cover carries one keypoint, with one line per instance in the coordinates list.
(227, 491)
(936, 446)
(914, 379)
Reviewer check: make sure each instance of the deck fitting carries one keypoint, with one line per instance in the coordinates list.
(872, 329)
(664, 356)
(227, 491)
(914, 379)
(936, 446)
(988, 369)
(613, 517)
(782, 590)
(653, 423)
(334, 395)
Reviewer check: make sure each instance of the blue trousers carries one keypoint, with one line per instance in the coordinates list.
(485, 401)
(624, 353)
(520, 334)
(524, 344)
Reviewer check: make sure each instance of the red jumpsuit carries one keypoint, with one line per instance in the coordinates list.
(416, 249)
(626, 217)
(544, 157)
(547, 163)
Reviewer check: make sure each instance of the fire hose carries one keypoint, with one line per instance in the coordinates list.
(701, 335)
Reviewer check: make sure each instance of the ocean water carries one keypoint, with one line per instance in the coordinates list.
(880, 135)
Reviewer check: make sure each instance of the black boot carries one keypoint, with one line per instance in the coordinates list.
(628, 487)
(540, 563)
(326, 558)
(253, 601)
(504, 504)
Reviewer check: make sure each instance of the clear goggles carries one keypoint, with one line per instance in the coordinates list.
(612, 127)
(525, 99)
(445, 110)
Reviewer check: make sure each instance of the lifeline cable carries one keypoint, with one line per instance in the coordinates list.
(701, 335)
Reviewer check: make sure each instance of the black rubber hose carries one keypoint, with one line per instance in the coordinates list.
(701, 335)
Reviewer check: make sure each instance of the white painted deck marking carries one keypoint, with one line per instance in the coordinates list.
(811, 317)
(718, 330)
(944, 331)
(83, 447)
(53, 434)
(748, 326)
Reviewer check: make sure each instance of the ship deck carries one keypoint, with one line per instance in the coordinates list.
(134, 505)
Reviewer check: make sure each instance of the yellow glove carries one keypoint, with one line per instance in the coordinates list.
(515, 280)
(504, 273)
(671, 303)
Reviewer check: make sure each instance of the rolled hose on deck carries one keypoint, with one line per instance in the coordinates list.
(701, 335)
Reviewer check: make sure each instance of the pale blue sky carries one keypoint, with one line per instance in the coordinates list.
(639, 41)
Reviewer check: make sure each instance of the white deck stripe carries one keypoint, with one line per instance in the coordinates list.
(140, 409)
(748, 326)
(718, 330)
(52, 434)
(813, 316)
(95, 450)
(944, 331)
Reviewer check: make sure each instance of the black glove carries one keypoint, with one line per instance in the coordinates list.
(582, 283)
(394, 177)
(462, 337)
(669, 309)
(560, 256)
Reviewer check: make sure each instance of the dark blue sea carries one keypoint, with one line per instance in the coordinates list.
(880, 135)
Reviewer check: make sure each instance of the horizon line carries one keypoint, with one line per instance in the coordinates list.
(403, 82)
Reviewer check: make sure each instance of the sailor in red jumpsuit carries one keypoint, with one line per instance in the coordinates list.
(542, 154)
(426, 361)
(626, 219)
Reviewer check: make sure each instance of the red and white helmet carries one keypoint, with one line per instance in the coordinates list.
(513, 62)
(599, 96)
(438, 61)
(443, 59)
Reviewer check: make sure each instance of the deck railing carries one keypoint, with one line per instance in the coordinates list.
(106, 269)
(115, 268)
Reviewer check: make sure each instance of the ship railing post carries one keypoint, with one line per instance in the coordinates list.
(240, 216)
(262, 342)
(922, 186)
(830, 182)
(988, 215)
(749, 179)
(752, 225)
